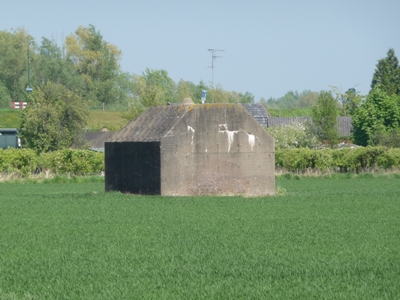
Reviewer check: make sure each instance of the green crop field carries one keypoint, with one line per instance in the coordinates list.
(320, 239)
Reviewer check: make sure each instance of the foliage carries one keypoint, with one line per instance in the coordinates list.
(14, 62)
(154, 88)
(5, 98)
(18, 161)
(387, 74)
(322, 239)
(389, 138)
(348, 101)
(324, 116)
(339, 160)
(73, 161)
(97, 61)
(380, 113)
(25, 162)
(298, 160)
(56, 118)
(296, 135)
(50, 65)
(292, 100)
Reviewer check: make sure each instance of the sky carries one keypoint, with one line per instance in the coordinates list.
(270, 46)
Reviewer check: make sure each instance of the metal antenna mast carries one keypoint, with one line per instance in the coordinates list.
(213, 57)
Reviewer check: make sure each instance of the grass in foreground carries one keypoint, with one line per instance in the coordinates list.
(324, 239)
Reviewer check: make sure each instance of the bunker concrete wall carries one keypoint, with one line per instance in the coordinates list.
(217, 151)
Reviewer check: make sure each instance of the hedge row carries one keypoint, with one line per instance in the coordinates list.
(69, 161)
(85, 162)
(340, 160)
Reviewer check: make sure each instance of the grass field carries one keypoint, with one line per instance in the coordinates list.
(11, 118)
(321, 239)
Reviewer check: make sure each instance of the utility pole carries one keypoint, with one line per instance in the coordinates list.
(213, 57)
(28, 88)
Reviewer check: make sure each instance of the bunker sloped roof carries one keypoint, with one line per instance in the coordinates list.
(155, 122)
(152, 125)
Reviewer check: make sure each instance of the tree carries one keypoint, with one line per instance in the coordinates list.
(14, 62)
(387, 74)
(378, 114)
(185, 89)
(307, 99)
(348, 101)
(97, 61)
(5, 97)
(55, 119)
(155, 87)
(50, 65)
(247, 98)
(324, 116)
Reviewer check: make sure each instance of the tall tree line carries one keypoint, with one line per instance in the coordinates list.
(90, 66)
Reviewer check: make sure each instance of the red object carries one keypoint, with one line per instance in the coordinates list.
(19, 105)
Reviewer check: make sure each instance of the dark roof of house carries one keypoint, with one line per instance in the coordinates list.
(278, 121)
(344, 123)
(9, 130)
(96, 139)
(258, 111)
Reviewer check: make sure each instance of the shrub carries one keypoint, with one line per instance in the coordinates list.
(19, 161)
(295, 135)
(72, 161)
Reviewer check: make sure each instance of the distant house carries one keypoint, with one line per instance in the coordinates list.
(95, 140)
(9, 138)
(191, 149)
(258, 111)
(262, 116)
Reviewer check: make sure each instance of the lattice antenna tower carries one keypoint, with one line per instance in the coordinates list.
(213, 57)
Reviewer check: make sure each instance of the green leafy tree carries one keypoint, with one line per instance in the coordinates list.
(198, 91)
(387, 74)
(377, 115)
(56, 118)
(324, 116)
(348, 101)
(5, 97)
(185, 89)
(14, 62)
(155, 87)
(307, 99)
(50, 65)
(247, 98)
(97, 61)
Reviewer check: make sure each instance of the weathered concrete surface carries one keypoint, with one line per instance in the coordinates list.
(207, 149)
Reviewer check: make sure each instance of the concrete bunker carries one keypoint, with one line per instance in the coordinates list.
(191, 149)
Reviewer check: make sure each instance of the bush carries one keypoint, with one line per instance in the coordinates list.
(295, 135)
(340, 160)
(68, 161)
(18, 161)
(72, 161)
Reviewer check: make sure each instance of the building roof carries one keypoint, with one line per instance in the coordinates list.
(96, 139)
(258, 111)
(9, 130)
